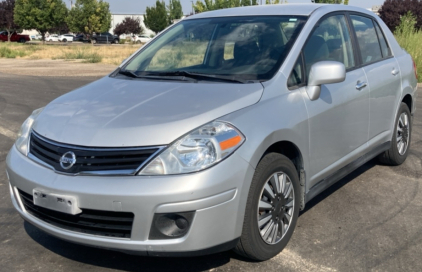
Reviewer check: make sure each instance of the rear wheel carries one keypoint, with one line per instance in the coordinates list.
(400, 142)
(22, 40)
(64, 40)
(94, 41)
(272, 208)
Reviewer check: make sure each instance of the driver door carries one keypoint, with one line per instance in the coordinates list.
(339, 119)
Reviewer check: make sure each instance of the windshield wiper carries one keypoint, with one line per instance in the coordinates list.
(202, 76)
(154, 76)
(128, 73)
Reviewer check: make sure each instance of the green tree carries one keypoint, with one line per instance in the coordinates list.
(89, 16)
(246, 3)
(174, 10)
(199, 7)
(275, 2)
(41, 15)
(156, 17)
(208, 5)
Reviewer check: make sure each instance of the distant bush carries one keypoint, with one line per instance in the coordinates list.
(82, 54)
(392, 10)
(93, 58)
(6, 52)
(410, 38)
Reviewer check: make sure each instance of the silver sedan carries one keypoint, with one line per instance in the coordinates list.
(217, 133)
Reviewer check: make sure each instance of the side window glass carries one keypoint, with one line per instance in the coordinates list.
(330, 40)
(367, 39)
(386, 52)
(296, 77)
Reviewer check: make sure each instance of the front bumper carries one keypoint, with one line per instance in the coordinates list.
(218, 195)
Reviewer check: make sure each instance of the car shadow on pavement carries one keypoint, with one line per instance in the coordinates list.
(336, 186)
(125, 262)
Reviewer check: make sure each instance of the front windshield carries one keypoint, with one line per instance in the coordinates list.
(248, 48)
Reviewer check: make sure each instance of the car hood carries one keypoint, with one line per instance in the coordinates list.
(118, 112)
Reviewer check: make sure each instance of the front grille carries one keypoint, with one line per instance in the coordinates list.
(102, 223)
(91, 160)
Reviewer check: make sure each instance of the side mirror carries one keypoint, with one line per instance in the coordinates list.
(324, 72)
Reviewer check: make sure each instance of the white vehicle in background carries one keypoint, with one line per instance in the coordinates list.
(36, 37)
(66, 38)
(52, 38)
(141, 39)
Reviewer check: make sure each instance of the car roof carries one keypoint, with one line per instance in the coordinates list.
(283, 9)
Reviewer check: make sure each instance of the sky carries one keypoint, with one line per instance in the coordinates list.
(139, 6)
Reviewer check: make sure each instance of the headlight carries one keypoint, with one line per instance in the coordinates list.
(22, 143)
(200, 149)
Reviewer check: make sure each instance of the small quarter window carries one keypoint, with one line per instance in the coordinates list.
(370, 48)
(296, 78)
(386, 52)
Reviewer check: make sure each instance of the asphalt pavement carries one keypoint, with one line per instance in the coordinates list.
(369, 221)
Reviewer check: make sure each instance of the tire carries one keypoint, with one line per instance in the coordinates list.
(395, 155)
(64, 40)
(251, 244)
(22, 40)
(116, 41)
(138, 42)
(94, 41)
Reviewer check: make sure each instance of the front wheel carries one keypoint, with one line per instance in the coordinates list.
(116, 41)
(400, 142)
(272, 208)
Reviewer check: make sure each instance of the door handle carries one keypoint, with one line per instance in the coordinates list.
(360, 85)
(395, 72)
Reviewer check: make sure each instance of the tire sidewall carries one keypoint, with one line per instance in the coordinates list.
(401, 158)
(280, 164)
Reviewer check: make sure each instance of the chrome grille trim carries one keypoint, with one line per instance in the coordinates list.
(120, 172)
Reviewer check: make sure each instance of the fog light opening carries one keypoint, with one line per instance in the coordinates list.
(170, 225)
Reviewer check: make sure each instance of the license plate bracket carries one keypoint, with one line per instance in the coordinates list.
(57, 202)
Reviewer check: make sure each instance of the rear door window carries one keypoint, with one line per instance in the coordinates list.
(367, 38)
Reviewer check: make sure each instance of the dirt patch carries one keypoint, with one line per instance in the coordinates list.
(54, 68)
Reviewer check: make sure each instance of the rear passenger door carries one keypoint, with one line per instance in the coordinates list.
(383, 73)
(339, 119)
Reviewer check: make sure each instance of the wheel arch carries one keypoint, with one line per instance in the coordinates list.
(293, 152)
(288, 149)
(408, 100)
